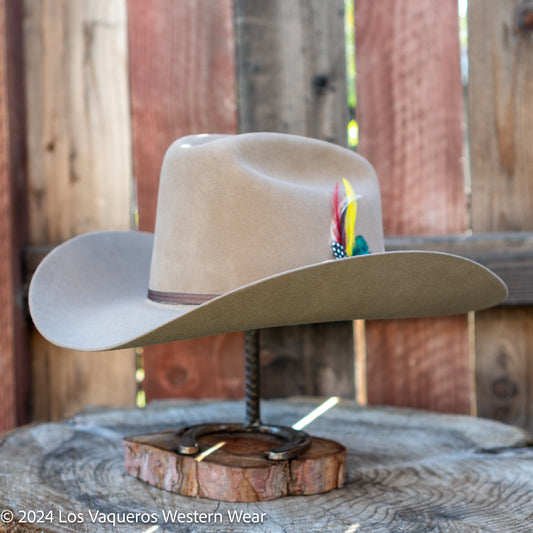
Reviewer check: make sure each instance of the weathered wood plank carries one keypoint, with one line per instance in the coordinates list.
(500, 111)
(182, 82)
(79, 171)
(210, 367)
(182, 77)
(483, 247)
(14, 349)
(65, 381)
(410, 111)
(313, 359)
(504, 367)
(292, 67)
(291, 77)
(500, 118)
(510, 255)
(410, 114)
(406, 471)
(401, 360)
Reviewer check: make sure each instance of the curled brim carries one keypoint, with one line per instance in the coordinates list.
(90, 294)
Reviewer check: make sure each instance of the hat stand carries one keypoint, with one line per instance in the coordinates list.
(294, 441)
(256, 462)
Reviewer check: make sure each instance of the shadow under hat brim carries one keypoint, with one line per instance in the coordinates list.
(90, 294)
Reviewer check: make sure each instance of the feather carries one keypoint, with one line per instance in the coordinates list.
(350, 215)
(361, 247)
(344, 241)
(336, 228)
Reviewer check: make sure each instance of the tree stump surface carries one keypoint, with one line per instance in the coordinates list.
(406, 470)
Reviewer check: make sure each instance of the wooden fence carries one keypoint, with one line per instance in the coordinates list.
(93, 92)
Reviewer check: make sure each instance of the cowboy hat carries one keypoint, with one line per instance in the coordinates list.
(242, 241)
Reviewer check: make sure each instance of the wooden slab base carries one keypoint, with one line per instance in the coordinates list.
(237, 472)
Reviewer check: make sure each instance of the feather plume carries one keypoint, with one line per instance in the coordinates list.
(350, 215)
(344, 240)
(336, 227)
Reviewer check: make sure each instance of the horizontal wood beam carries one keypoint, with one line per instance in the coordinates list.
(510, 255)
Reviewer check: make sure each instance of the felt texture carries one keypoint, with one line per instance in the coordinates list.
(246, 217)
(241, 208)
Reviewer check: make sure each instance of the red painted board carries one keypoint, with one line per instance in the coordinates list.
(182, 75)
(410, 113)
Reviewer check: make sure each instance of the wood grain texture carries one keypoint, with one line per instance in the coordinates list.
(210, 367)
(291, 70)
(182, 78)
(415, 363)
(79, 170)
(500, 107)
(410, 112)
(239, 471)
(66, 381)
(500, 118)
(182, 82)
(14, 353)
(314, 359)
(291, 78)
(79, 139)
(410, 118)
(406, 471)
(19, 203)
(507, 254)
(504, 369)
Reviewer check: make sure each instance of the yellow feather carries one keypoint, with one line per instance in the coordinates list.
(349, 217)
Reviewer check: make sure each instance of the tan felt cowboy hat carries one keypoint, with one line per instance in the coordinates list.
(242, 241)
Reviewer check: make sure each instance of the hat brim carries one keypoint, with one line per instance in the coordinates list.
(90, 294)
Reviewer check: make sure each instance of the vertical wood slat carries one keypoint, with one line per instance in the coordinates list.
(291, 68)
(182, 78)
(79, 172)
(14, 354)
(291, 78)
(313, 359)
(500, 108)
(409, 112)
(209, 367)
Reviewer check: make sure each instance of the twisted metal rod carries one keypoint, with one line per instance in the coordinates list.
(251, 369)
(295, 441)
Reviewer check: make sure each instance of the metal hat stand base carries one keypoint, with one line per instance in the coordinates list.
(256, 462)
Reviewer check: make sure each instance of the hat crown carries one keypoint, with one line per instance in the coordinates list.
(239, 208)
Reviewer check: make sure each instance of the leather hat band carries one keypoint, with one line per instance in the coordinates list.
(179, 297)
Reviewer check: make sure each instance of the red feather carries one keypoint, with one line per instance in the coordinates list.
(336, 225)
